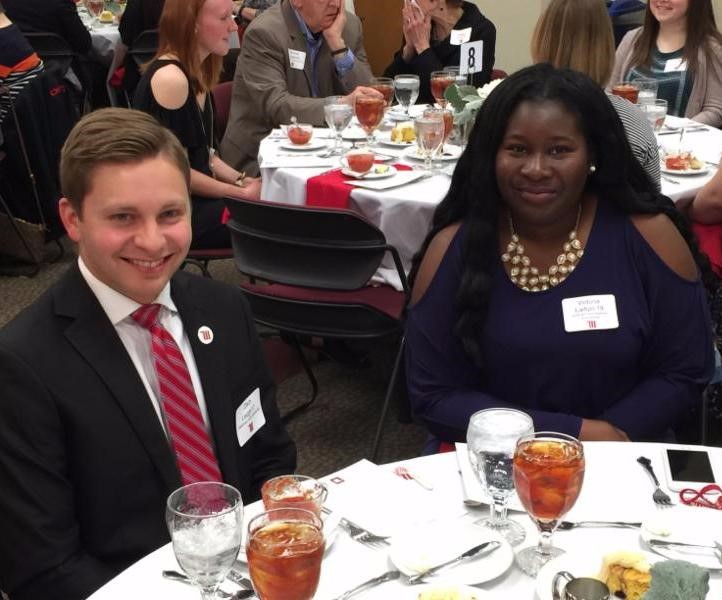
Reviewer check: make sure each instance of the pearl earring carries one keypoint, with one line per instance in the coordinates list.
(592, 169)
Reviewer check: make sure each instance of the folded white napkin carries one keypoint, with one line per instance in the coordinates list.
(374, 498)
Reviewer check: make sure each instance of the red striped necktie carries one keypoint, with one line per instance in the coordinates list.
(186, 428)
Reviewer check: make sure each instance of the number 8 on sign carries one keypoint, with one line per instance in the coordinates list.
(470, 60)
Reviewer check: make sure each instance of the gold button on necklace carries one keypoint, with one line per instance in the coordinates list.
(526, 276)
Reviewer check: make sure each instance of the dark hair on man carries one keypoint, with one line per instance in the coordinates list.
(114, 136)
(702, 33)
(474, 197)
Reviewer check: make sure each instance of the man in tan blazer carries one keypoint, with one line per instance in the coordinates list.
(294, 55)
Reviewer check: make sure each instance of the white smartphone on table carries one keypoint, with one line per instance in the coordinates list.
(688, 467)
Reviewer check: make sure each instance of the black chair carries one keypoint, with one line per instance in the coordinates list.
(144, 47)
(310, 270)
(60, 58)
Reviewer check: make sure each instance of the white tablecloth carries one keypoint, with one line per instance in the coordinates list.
(404, 214)
(615, 487)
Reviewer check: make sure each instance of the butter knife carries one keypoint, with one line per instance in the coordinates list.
(666, 543)
(565, 525)
(488, 546)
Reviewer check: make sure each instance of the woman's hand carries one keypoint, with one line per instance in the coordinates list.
(594, 430)
(251, 189)
(417, 29)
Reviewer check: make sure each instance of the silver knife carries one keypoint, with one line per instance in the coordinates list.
(488, 546)
(664, 543)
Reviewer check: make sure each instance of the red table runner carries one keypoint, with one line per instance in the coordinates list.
(330, 190)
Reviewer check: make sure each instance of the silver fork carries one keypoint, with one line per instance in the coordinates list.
(363, 536)
(660, 497)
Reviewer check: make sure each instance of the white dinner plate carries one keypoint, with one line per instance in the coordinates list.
(451, 153)
(376, 173)
(579, 564)
(690, 524)
(701, 171)
(466, 592)
(331, 529)
(393, 144)
(417, 550)
(313, 144)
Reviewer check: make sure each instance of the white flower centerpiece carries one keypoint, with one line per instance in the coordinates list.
(466, 100)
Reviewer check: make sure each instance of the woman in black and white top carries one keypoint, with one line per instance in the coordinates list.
(577, 34)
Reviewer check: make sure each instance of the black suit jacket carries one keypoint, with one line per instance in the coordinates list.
(55, 16)
(84, 463)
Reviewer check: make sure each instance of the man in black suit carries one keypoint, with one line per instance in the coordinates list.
(87, 448)
(55, 16)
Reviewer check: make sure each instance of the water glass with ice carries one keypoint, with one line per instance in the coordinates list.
(429, 137)
(491, 440)
(406, 90)
(656, 113)
(338, 113)
(647, 90)
(205, 522)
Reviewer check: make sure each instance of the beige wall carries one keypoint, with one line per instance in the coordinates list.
(515, 21)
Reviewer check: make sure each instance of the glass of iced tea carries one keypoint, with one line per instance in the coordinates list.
(439, 81)
(626, 90)
(548, 475)
(369, 112)
(284, 549)
(385, 85)
(295, 491)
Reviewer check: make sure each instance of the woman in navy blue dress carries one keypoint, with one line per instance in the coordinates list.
(556, 279)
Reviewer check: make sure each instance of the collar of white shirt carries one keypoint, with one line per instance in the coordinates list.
(117, 306)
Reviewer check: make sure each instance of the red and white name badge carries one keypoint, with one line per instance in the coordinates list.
(249, 417)
(590, 313)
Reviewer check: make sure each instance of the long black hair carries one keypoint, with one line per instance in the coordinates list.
(473, 196)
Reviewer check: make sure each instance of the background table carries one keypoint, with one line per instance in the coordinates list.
(614, 487)
(404, 214)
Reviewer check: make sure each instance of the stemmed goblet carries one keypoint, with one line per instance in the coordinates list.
(406, 89)
(338, 113)
(284, 549)
(491, 441)
(205, 521)
(548, 475)
(369, 112)
(429, 136)
(384, 85)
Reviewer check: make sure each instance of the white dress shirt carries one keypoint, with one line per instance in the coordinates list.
(137, 339)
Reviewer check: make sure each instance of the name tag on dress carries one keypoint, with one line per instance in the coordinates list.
(249, 417)
(675, 64)
(589, 313)
(297, 58)
(459, 36)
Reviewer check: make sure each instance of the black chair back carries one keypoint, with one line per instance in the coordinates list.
(53, 49)
(144, 46)
(309, 247)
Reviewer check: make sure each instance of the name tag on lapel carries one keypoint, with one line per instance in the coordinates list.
(590, 313)
(249, 417)
(297, 58)
(675, 64)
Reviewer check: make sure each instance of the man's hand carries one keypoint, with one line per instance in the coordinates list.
(361, 91)
(417, 28)
(594, 430)
(334, 34)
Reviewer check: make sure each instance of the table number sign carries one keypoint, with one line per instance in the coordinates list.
(470, 60)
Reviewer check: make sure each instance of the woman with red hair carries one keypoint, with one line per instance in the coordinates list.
(175, 88)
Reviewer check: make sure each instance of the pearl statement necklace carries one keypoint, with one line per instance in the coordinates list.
(527, 277)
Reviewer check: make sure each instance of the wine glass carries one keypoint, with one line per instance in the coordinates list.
(205, 521)
(385, 85)
(440, 80)
(95, 7)
(284, 549)
(338, 113)
(448, 118)
(656, 112)
(491, 440)
(548, 475)
(429, 137)
(406, 89)
(369, 112)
